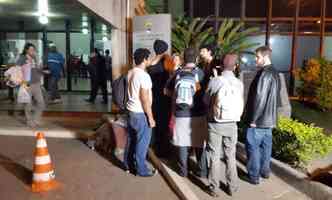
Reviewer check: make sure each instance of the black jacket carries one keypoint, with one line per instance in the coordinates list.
(263, 99)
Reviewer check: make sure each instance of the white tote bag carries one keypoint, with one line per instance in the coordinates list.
(23, 95)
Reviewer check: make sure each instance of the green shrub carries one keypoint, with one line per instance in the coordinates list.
(297, 143)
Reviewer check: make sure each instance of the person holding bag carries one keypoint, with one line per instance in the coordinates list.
(32, 75)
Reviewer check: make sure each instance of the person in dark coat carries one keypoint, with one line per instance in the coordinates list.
(161, 104)
(98, 73)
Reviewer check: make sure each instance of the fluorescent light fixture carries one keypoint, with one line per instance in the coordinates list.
(85, 24)
(105, 39)
(84, 17)
(43, 19)
(43, 7)
(85, 31)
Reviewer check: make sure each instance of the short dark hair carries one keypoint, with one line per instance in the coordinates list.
(209, 47)
(141, 54)
(190, 55)
(265, 51)
(107, 51)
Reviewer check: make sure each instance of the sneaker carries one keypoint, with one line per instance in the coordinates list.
(57, 101)
(252, 181)
(211, 191)
(89, 101)
(265, 176)
(230, 191)
(150, 174)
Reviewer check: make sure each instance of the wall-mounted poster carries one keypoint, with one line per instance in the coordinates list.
(149, 28)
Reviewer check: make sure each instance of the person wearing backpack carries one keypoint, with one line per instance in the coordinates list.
(224, 97)
(189, 123)
(140, 117)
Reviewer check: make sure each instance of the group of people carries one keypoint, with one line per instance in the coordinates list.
(193, 102)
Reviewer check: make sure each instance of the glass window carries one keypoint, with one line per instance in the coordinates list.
(310, 8)
(328, 48)
(328, 8)
(80, 51)
(282, 9)
(203, 8)
(308, 47)
(281, 51)
(256, 8)
(230, 8)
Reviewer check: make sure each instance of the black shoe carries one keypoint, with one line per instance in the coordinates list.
(89, 100)
(265, 176)
(211, 191)
(251, 181)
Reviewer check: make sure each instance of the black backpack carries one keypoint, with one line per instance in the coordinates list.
(120, 92)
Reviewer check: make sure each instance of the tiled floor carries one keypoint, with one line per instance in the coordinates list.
(72, 102)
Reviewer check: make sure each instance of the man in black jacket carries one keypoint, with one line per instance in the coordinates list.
(261, 116)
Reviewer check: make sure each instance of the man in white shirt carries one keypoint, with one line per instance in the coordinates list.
(140, 120)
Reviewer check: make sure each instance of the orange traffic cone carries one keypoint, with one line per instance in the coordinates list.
(43, 173)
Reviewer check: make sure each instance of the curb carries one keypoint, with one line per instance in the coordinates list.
(177, 184)
(298, 180)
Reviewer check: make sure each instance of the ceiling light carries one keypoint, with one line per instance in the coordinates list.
(244, 59)
(43, 19)
(318, 22)
(105, 39)
(104, 27)
(85, 31)
(43, 7)
(85, 24)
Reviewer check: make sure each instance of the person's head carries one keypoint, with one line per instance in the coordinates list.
(160, 47)
(107, 52)
(53, 48)
(29, 50)
(95, 52)
(190, 55)
(177, 59)
(206, 52)
(142, 57)
(263, 56)
(230, 61)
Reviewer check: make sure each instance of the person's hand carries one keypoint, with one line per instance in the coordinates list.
(253, 125)
(152, 123)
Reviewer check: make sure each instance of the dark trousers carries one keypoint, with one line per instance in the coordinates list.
(53, 88)
(200, 157)
(96, 84)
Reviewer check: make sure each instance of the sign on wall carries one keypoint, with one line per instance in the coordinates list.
(149, 28)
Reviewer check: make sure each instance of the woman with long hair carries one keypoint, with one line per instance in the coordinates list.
(32, 74)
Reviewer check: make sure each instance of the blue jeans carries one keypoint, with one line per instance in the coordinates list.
(139, 136)
(259, 148)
